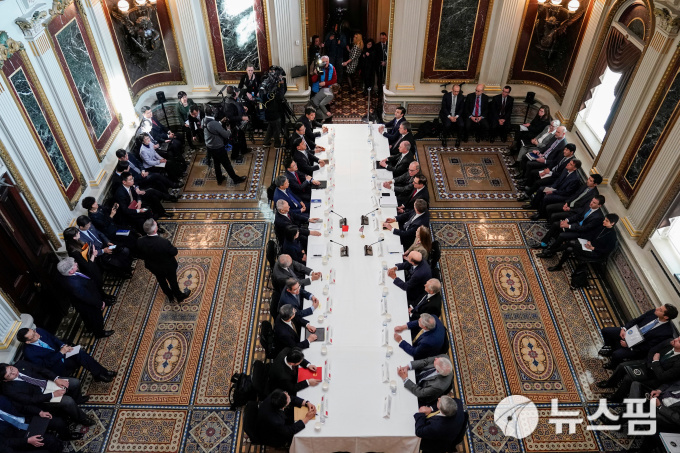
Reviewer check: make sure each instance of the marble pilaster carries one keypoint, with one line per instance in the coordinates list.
(196, 52)
(505, 22)
(9, 323)
(288, 26)
(410, 20)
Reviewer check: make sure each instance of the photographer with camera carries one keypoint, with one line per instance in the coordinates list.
(273, 100)
(322, 79)
(216, 139)
(236, 112)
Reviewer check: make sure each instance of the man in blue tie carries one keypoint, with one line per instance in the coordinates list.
(282, 193)
(109, 256)
(293, 294)
(654, 326)
(44, 349)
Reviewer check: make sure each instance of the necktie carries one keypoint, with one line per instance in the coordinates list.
(42, 344)
(667, 355)
(415, 191)
(418, 336)
(97, 242)
(648, 327)
(502, 106)
(154, 122)
(408, 223)
(297, 177)
(583, 194)
(432, 414)
(585, 216)
(82, 275)
(422, 301)
(453, 105)
(476, 113)
(15, 421)
(426, 373)
(545, 154)
(39, 382)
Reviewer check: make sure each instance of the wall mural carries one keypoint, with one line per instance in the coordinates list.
(662, 113)
(32, 102)
(85, 76)
(145, 42)
(238, 33)
(549, 41)
(454, 40)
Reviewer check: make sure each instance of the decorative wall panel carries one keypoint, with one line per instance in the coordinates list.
(84, 73)
(147, 48)
(34, 106)
(238, 31)
(660, 116)
(454, 43)
(549, 40)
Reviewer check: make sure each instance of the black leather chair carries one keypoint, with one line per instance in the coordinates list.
(260, 376)
(267, 339)
(250, 423)
(270, 254)
(433, 260)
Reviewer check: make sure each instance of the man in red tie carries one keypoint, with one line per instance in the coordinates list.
(476, 113)
(419, 192)
(300, 184)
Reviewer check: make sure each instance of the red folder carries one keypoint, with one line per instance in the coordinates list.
(133, 205)
(304, 373)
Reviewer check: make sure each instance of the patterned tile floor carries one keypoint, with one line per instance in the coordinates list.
(515, 328)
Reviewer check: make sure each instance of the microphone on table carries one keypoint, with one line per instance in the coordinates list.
(364, 218)
(368, 250)
(343, 220)
(343, 248)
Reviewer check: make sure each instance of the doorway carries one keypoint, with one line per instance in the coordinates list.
(368, 17)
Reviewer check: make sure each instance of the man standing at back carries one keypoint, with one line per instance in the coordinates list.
(159, 258)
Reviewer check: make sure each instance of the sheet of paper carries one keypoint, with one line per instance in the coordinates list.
(315, 226)
(583, 245)
(633, 336)
(316, 249)
(74, 351)
(523, 128)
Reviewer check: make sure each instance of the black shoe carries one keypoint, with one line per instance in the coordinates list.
(239, 179)
(545, 254)
(555, 268)
(535, 217)
(87, 421)
(177, 185)
(524, 197)
(110, 302)
(173, 199)
(609, 366)
(220, 181)
(106, 333)
(82, 399)
(605, 384)
(527, 206)
(457, 144)
(478, 139)
(111, 373)
(491, 140)
(267, 144)
(537, 246)
(103, 378)
(606, 351)
(247, 150)
(515, 165)
(184, 295)
(73, 435)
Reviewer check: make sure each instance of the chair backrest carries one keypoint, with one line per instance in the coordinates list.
(274, 304)
(260, 375)
(267, 339)
(270, 192)
(250, 422)
(446, 345)
(435, 254)
(461, 435)
(271, 254)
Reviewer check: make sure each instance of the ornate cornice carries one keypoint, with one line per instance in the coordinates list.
(8, 47)
(59, 6)
(33, 24)
(666, 21)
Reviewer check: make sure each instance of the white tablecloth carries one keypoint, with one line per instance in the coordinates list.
(356, 392)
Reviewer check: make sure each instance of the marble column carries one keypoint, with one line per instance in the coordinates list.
(286, 26)
(407, 35)
(505, 21)
(55, 86)
(196, 55)
(647, 77)
(9, 322)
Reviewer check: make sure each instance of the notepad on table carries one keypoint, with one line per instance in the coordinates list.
(304, 373)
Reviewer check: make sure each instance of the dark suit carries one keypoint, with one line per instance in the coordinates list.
(408, 227)
(394, 148)
(415, 280)
(118, 259)
(534, 181)
(554, 203)
(428, 344)
(480, 129)
(310, 135)
(283, 377)
(24, 393)
(55, 361)
(296, 270)
(552, 152)
(285, 337)
(293, 248)
(159, 258)
(566, 183)
(430, 385)
(124, 198)
(603, 240)
(392, 130)
(500, 112)
(282, 223)
(431, 305)
(299, 185)
(160, 134)
(409, 200)
(296, 300)
(307, 163)
(458, 111)
(104, 223)
(578, 227)
(16, 438)
(398, 163)
(437, 433)
(651, 338)
(403, 185)
(275, 429)
(293, 202)
(87, 299)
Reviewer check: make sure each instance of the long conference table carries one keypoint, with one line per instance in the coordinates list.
(355, 397)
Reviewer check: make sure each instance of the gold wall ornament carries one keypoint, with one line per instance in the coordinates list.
(59, 6)
(31, 25)
(666, 21)
(8, 47)
(20, 183)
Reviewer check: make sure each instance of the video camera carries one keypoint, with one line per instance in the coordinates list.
(271, 83)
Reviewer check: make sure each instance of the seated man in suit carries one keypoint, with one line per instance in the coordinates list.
(116, 258)
(25, 384)
(566, 183)
(286, 268)
(299, 183)
(662, 366)
(654, 326)
(85, 296)
(284, 372)
(151, 196)
(580, 224)
(308, 120)
(143, 178)
(306, 161)
(398, 164)
(601, 244)
(103, 217)
(405, 135)
(419, 192)
(476, 114)
(162, 134)
(557, 208)
(667, 401)
(538, 179)
(155, 162)
(45, 350)
(430, 303)
(417, 273)
(545, 156)
(439, 428)
(409, 223)
(433, 378)
(451, 114)
(403, 185)
(429, 341)
(287, 328)
(284, 219)
(282, 193)
(293, 294)
(392, 132)
(537, 142)
(125, 195)
(275, 426)
(500, 113)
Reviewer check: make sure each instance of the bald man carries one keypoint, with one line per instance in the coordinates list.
(417, 272)
(476, 114)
